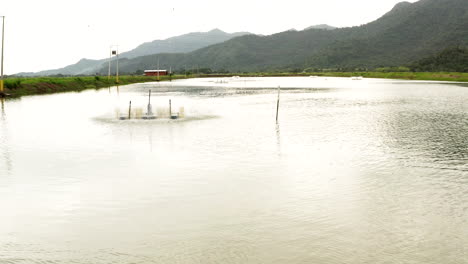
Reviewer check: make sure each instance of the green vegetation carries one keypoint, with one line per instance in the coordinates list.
(44, 85)
(452, 59)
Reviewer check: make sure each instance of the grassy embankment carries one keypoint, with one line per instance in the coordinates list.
(16, 87)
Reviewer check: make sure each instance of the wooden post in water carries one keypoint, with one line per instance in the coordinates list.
(129, 109)
(170, 110)
(149, 110)
(277, 103)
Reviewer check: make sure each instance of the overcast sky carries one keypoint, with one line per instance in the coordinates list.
(49, 34)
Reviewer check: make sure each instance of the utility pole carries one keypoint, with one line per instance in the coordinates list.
(170, 73)
(158, 70)
(117, 72)
(110, 58)
(114, 52)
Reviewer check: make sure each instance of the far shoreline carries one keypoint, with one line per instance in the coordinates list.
(20, 86)
(411, 76)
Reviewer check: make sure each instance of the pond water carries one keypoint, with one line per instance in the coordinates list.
(355, 171)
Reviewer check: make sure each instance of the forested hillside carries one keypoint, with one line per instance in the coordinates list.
(449, 60)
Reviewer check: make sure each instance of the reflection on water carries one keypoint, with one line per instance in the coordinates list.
(278, 138)
(368, 171)
(2, 101)
(5, 152)
(438, 137)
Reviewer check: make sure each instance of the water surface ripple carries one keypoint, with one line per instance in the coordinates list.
(367, 171)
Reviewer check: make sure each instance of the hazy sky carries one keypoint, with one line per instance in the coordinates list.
(49, 34)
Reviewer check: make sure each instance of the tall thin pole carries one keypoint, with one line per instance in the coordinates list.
(158, 69)
(170, 73)
(110, 58)
(3, 44)
(277, 103)
(117, 74)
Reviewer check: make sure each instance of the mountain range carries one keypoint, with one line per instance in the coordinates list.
(407, 33)
(179, 44)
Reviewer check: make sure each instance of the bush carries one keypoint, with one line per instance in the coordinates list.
(12, 84)
(393, 69)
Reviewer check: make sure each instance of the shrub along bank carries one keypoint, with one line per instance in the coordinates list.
(16, 87)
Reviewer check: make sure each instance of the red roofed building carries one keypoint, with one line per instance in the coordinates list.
(156, 72)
